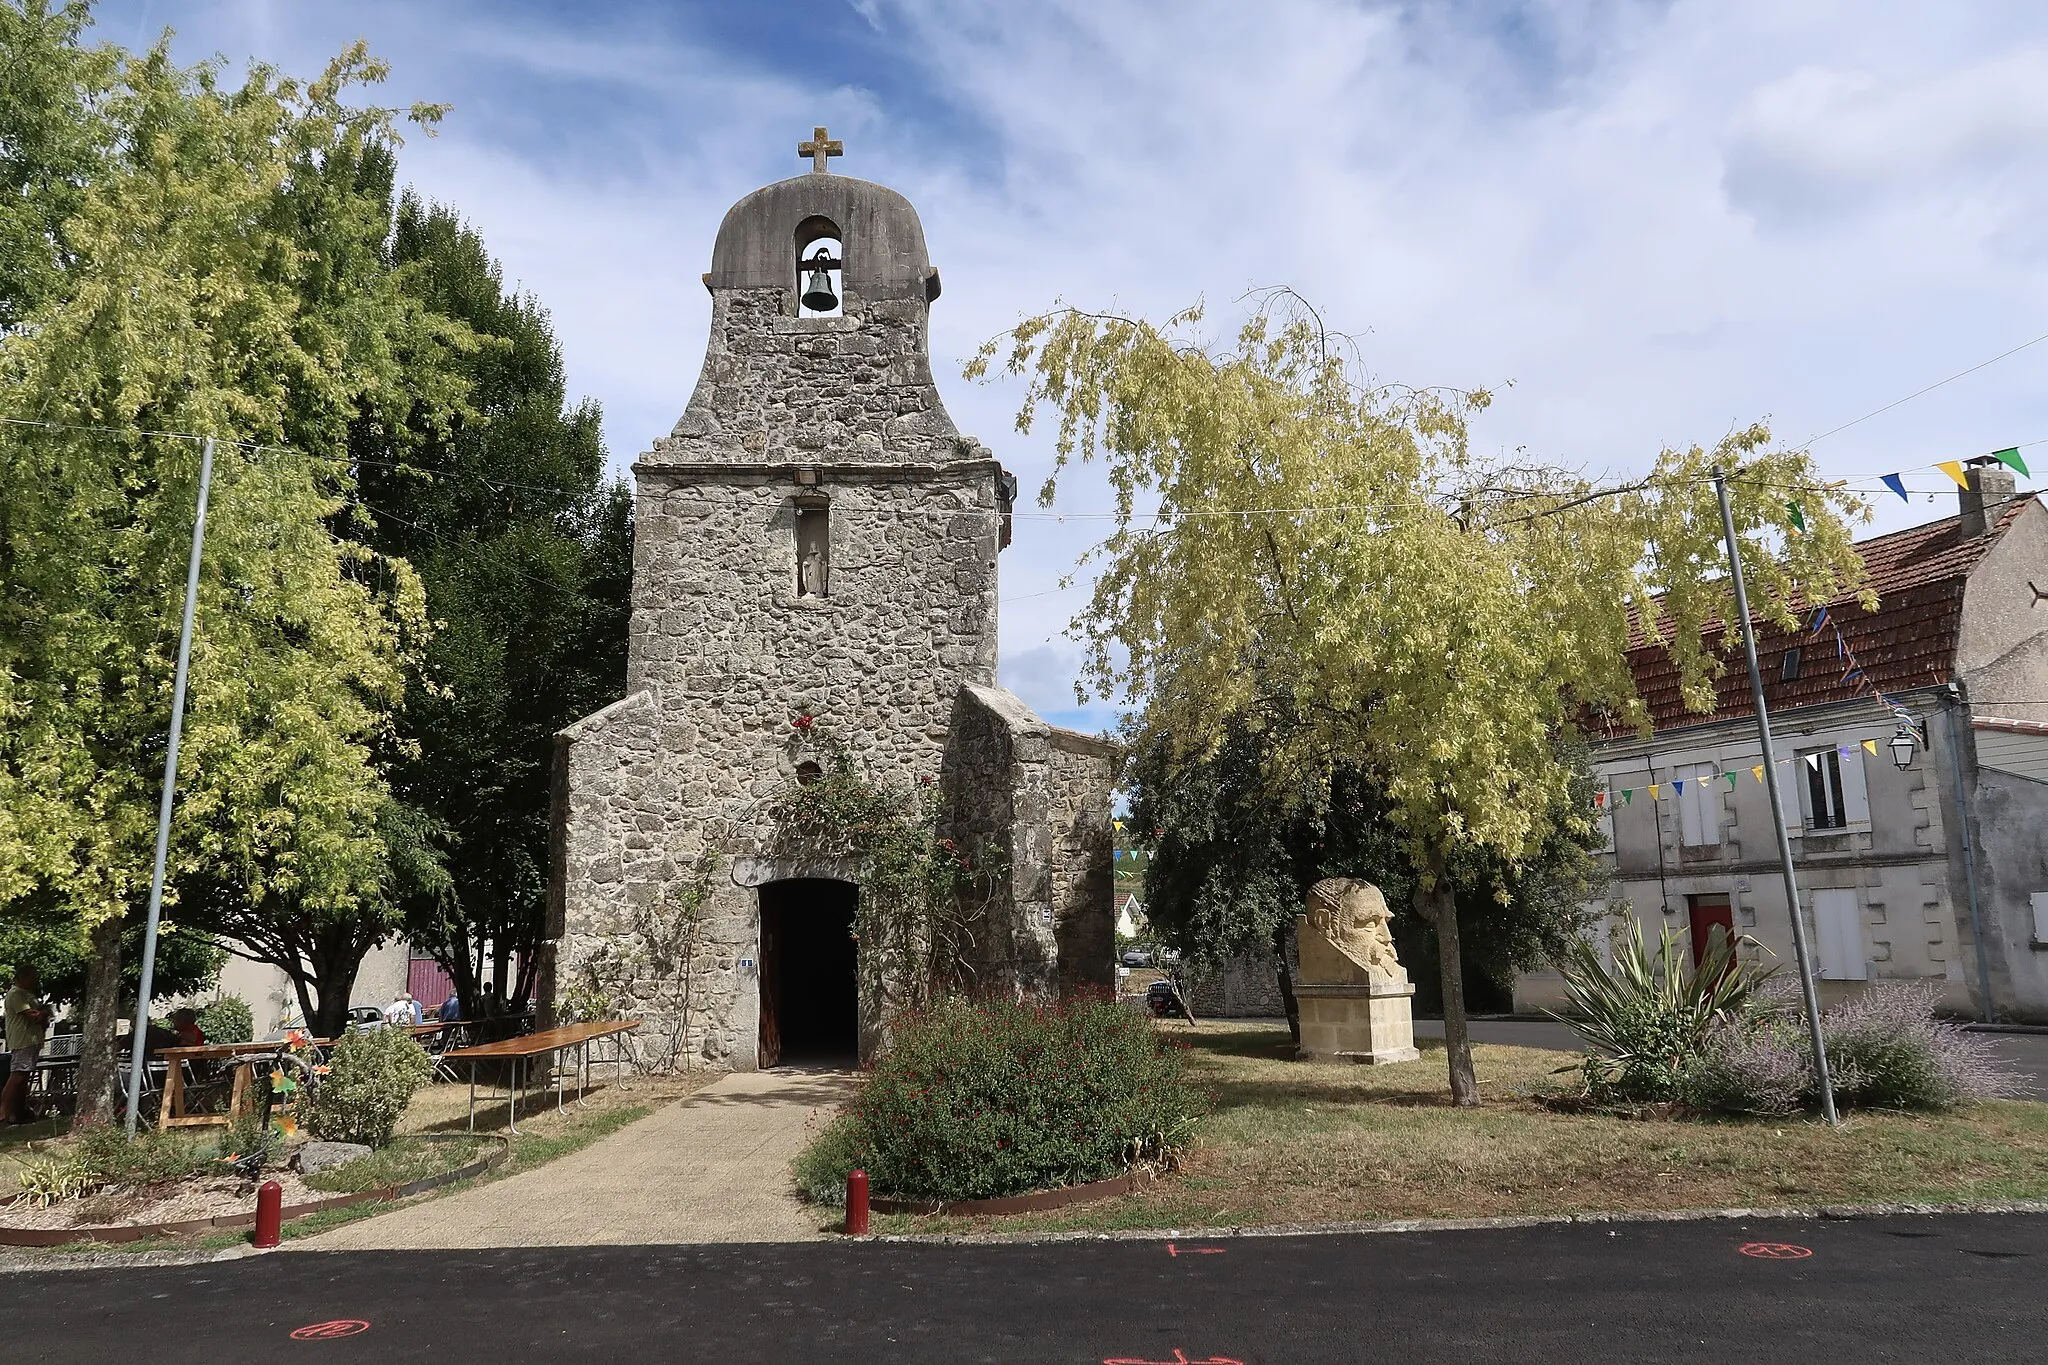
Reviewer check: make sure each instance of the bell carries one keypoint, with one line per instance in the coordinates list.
(818, 295)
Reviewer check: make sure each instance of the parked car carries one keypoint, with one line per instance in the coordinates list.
(1137, 957)
(1162, 1000)
(365, 1018)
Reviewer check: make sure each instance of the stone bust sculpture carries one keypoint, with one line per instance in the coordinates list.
(1352, 917)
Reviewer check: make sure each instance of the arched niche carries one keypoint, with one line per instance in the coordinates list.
(820, 262)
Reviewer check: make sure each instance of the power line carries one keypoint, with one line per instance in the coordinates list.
(1929, 389)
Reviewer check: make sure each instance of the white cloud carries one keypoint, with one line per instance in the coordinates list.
(1660, 220)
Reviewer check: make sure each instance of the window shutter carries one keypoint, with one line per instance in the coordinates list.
(1855, 795)
(1791, 777)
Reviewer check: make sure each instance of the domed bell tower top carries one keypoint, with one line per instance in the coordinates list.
(821, 293)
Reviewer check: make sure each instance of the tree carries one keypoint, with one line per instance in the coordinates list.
(1331, 561)
(195, 281)
(524, 545)
(1231, 862)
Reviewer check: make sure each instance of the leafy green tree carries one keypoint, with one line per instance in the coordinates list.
(1232, 861)
(1432, 617)
(203, 276)
(187, 960)
(524, 545)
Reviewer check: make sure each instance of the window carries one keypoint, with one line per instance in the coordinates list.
(1699, 808)
(813, 549)
(1790, 672)
(1831, 791)
(1838, 924)
(2039, 900)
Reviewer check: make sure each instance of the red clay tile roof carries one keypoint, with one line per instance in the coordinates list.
(1908, 641)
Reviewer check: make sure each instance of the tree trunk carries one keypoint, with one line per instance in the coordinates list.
(100, 1098)
(1287, 1000)
(1441, 905)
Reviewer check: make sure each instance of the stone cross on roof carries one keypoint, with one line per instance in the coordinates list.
(820, 147)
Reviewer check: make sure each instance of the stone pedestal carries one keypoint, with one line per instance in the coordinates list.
(1364, 1022)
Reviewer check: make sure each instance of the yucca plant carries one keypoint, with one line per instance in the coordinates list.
(1646, 1019)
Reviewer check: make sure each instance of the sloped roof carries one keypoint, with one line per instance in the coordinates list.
(1908, 641)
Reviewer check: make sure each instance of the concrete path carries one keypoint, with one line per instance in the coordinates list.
(710, 1168)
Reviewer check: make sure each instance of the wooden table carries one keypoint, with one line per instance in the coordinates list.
(171, 1112)
(520, 1052)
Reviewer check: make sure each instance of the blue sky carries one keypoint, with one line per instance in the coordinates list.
(1652, 221)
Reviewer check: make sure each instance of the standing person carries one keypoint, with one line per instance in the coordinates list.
(419, 1015)
(398, 1012)
(27, 1020)
(493, 1007)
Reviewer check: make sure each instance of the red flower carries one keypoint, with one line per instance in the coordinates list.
(803, 721)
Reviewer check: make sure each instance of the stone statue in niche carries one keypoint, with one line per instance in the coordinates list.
(1353, 992)
(812, 539)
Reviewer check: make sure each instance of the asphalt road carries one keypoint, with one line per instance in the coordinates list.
(1950, 1288)
(2025, 1053)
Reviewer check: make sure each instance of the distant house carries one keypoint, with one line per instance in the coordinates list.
(1130, 916)
(1935, 872)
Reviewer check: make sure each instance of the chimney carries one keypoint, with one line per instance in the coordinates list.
(1990, 486)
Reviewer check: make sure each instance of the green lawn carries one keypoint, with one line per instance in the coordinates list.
(1296, 1142)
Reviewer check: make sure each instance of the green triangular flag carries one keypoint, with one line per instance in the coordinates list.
(2011, 460)
(1798, 517)
(1731, 780)
(1628, 795)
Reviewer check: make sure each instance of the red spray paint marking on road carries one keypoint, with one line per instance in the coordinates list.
(1776, 1251)
(327, 1331)
(1178, 1359)
(1173, 1250)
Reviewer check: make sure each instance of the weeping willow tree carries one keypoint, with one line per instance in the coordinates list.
(1325, 558)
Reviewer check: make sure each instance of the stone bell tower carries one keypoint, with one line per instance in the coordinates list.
(816, 540)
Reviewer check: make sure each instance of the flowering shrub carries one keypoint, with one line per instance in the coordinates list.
(977, 1100)
(369, 1080)
(1886, 1050)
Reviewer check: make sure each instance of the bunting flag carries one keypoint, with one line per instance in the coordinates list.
(1679, 786)
(1606, 799)
(1628, 796)
(1820, 618)
(1758, 773)
(1955, 469)
(1731, 776)
(1798, 516)
(1653, 791)
(1600, 800)
(1812, 761)
(1870, 746)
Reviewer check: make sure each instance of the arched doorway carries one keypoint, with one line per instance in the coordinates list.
(810, 961)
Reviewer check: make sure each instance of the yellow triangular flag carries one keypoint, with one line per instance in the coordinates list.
(1869, 746)
(1954, 469)
(1757, 772)
(1653, 791)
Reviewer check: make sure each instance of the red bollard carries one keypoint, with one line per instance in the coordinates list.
(270, 1213)
(857, 1204)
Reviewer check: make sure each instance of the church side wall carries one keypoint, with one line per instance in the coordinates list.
(1083, 772)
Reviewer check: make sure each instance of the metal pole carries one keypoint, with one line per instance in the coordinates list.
(1955, 758)
(163, 813)
(1763, 733)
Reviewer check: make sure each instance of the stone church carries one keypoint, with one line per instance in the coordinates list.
(815, 552)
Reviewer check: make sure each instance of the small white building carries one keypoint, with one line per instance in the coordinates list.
(1937, 871)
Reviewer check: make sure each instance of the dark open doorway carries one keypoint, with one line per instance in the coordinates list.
(810, 993)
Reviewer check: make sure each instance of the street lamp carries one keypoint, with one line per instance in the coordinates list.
(1903, 747)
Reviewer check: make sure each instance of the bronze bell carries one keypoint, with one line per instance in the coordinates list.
(818, 295)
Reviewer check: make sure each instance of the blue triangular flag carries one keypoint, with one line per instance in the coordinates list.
(1897, 485)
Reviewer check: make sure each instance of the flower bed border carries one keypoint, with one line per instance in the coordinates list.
(136, 1232)
(1130, 1182)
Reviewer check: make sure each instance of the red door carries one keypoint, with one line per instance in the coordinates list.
(766, 972)
(1707, 913)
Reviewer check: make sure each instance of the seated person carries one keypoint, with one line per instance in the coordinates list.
(185, 1023)
(451, 1008)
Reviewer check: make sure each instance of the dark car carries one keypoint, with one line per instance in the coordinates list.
(1137, 957)
(1162, 1001)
